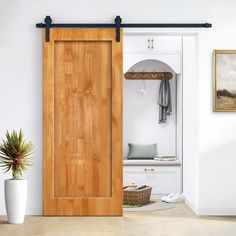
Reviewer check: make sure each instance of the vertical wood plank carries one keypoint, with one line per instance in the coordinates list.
(82, 114)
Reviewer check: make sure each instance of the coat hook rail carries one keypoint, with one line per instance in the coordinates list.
(148, 75)
(117, 25)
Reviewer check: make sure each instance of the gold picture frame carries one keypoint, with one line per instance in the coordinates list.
(224, 89)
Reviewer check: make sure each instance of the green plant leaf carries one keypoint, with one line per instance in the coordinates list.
(16, 153)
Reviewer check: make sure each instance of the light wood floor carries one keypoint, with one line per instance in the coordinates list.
(180, 221)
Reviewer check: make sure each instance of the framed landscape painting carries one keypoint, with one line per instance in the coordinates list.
(224, 80)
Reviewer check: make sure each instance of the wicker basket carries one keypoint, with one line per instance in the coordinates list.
(137, 197)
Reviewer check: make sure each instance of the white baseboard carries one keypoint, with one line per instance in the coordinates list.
(29, 211)
(2, 212)
(192, 206)
(197, 211)
(217, 211)
(211, 211)
(34, 211)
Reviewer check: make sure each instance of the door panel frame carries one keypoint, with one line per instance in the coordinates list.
(87, 206)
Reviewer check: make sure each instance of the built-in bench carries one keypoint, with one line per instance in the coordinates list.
(163, 176)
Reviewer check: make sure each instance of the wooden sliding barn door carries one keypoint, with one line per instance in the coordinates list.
(82, 123)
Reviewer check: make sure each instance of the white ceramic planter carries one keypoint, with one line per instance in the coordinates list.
(15, 199)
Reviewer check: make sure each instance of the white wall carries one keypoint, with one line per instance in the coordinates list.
(190, 122)
(217, 140)
(21, 80)
(141, 112)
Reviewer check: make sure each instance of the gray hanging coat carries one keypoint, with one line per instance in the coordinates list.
(165, 108)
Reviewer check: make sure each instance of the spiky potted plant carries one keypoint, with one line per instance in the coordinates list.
(15, 155)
